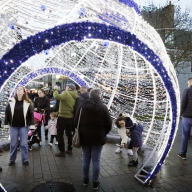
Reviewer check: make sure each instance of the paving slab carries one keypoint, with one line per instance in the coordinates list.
(115, 176)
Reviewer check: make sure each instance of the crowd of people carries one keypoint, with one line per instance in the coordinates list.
(83, 109)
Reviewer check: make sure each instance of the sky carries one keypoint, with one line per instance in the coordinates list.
(182, 3)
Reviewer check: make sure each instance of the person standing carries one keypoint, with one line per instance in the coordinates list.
(82, 96)
(66, 117)
(95, 123)
(186, 113)
(31, 96)
(42, 105)
(52, 128)
(19, 117)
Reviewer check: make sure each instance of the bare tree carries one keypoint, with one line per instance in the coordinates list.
(175, 29)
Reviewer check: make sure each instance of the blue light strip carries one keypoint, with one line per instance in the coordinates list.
(78, 32)
(50, 70)
(131, 3)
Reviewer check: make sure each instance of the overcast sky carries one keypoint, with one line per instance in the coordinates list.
(182, 3)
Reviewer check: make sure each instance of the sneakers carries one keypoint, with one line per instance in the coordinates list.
(50, 144)
(118, 150)
(26, 163)
(130, 152)
(11, 163)
(96, 185)
(183, 156)
(40, 143)
(133, 163)
(30, 148)
(56, 142)
(46, 138)
(60, 154)
(85, 182)
(69, 152)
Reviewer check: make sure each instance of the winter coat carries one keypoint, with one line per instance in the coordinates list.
(186, 103)
(95, 122)
(52, 127)
(80, 100)
(42, 103)
(67, 103)
(136, 135)
(27, 112)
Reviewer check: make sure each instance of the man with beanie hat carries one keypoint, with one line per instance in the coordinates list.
(186, 113)
(66, 117)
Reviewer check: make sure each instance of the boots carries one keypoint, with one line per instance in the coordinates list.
(60, 154)
(133, 163)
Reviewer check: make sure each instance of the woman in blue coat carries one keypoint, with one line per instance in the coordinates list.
(136, 136)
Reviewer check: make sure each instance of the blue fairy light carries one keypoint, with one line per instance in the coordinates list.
(11, 26)
(105, 44)
(46, 52)
(43, 8)
(82, 11)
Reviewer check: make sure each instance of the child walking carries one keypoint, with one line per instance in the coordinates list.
(52, 128)
(136, 136)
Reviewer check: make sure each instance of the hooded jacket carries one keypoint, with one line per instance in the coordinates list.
(67, 103)
(95, 122)
(186, 103)
(27, 112)
(136, 135)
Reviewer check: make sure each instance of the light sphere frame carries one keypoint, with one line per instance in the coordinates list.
(121, 31)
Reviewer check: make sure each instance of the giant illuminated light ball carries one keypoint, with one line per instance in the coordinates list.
(103, 43)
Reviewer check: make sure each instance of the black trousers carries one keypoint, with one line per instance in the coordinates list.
(52, 137)
(64, 124)
(39, 127)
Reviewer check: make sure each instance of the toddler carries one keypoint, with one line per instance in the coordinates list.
(52, 128)
(124, 123)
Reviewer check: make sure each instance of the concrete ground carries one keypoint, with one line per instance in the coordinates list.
(176, 174)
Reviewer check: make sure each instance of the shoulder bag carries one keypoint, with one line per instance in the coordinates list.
(76, 138)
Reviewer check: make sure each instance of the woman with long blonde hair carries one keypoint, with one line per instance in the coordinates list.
(19, 117)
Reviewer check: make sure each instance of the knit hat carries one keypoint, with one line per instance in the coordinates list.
(71, 86)
(128, 123)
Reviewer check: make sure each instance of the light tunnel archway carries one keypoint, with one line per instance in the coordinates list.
(47, 71)
(122, 39)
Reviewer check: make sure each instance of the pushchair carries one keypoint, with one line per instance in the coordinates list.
(32, 134)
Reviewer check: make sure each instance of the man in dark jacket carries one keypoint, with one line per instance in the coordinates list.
(95, 123)
(82, 96)
(31, 96)
(186, 113)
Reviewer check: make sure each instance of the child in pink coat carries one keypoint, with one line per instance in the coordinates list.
(52, 128)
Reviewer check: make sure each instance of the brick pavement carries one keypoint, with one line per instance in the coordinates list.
(176, 174)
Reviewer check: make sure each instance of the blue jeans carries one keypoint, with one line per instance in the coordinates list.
(91, 152)
(186, 127)
(22, 133)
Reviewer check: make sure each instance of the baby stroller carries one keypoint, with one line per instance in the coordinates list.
(32, 134)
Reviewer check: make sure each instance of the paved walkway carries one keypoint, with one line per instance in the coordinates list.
(176, 174)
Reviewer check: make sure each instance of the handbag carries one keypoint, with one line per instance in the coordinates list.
(37, 116)
(76, 138)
